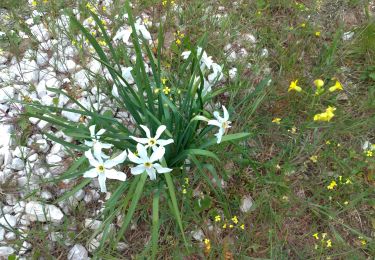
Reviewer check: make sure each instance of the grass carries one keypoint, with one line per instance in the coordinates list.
(289, 190)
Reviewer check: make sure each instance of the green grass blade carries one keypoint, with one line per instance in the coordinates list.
(155, 223)
(176, 211)
(133, 205)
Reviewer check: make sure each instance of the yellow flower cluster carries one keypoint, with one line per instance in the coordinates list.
(294, 87)
(165, 2)
(325, 116)
(179, 36)
(185, 185)
(324, 242)
(231, 224)
(276, 120)
(333, 183)
(207, 246)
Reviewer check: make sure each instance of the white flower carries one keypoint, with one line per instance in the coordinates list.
(146, 163)
(206, 61)
(368, 146)
(123, 34)
(96, 144)
(153, 142)
(217, 73)
(103, 169)
(221, 122)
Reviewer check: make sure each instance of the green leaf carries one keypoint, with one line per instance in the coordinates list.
(133, 205)
(176, 211)
(226, 138)
(188, 152)
(155, 223)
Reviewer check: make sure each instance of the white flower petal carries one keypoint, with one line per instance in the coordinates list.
(100, 133)
(214, 122)
(138, 169)
(92, 131)
(159, 131)
(98, 151)
(135, 159)
(162, 142)
(219, 135)
(142, 151)
(147, 131)
(116, 175)
(89, 143)
(161, 169)
(140, 140)
(91, 173)
(106, 146)
(117, 160)
(152, 173)
(91, 158)
(226, 114)
(217, 115)
(101, 179)
(157, 154)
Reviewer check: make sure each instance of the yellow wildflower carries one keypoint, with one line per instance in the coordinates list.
(102, 43)
(163, 81)
(369, 153)
(217, 218)
(231, 226)
(293, 86)
(184, 191)
(45, 1)
(314, 158)
(332, 185)
(319, 83)
(329, 243)
(324, 235)
(317, 34)
(104, 8)
(363, 242)
(242, 226)
(164, 3)
(325, 116)
(348, 181)
(34, 3)
(225, 226)
(235, 220)
(187, 181)
(178, 41)
(346, 202)
(316, 235)
(156, 91)
(328, 142)
(166, 90)
(276, 120)
(207, 244)
(303, 25)
(335, 87)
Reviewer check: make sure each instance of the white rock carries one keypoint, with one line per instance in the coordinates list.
(92, 224)
(42, 145)
(40, 32)
(41, 88)
(42, 59)
(53, 159)
(6, 250)
(17, 164)
(36, 211)
(21, 151)
(67, 66)
(2, 233)
(34, 120)
(33, 157)
(25, 247)
(91, 195)
(232, 73)
(8, 221)
(71, 115)
(246, 203)
(10, 236)
(6, 94)
(43, 124)
(57, 149)
(3, 59)
(264, 53)
(94, 244)
(46, 195)
(19, 207)
(347, 36)
(81, 79)
(7, 209)
(251, 38)
(78, 252)
(198, 235)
